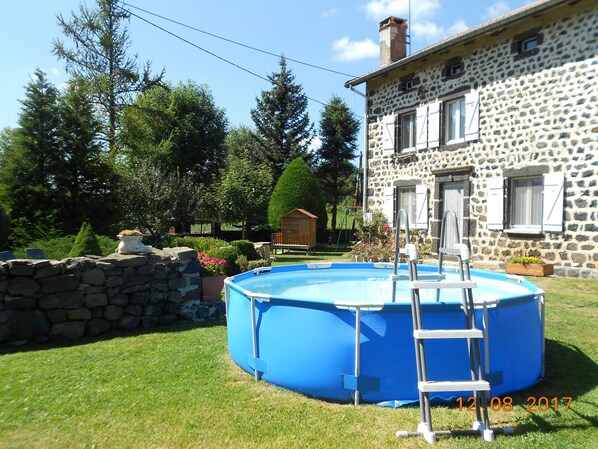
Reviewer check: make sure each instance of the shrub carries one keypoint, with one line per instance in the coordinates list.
(242, 263)
(58, 248)
(228, 253)
(259, 263)
(211, 266)
(86, 243)
(199, 244)
(297, 187)
(246, 248)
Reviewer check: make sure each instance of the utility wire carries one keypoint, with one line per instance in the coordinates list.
(209, 52)
(238, 43)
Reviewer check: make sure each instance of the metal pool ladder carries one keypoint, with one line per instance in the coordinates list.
(477, 384)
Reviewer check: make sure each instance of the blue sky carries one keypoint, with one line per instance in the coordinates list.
(341, 35)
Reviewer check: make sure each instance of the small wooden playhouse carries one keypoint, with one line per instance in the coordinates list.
(298, 231)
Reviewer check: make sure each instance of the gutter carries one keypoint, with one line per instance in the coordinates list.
(485, 28)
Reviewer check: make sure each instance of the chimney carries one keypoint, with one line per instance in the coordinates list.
(393, 40)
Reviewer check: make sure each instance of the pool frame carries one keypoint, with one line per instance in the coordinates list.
(247, 315)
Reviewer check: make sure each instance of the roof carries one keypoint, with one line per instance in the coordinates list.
(303, 211)
(485, 28)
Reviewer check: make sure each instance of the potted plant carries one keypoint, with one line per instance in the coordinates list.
(130, 242)
(212, 271)
(528, 265)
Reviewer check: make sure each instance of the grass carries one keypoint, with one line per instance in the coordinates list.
(176, 387)
(323, 253)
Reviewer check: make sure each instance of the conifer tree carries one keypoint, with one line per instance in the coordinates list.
(338, 131)
(283, 129)
(86, 242)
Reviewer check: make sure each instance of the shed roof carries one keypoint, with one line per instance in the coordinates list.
(485, 28)
(303, 211)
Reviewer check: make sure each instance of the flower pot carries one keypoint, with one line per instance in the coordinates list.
(131, 244)
(211, 288)
(530, 269)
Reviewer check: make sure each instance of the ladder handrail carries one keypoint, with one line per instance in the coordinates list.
(402, 213)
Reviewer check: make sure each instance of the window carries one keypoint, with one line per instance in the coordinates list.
(408, 85)
(406, 199)
(526, 203)
(408, 132)
(456, 69)
(529, 44)
(455, 121)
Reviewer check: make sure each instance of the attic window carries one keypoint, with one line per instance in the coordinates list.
(529, 44)
(456, 69)
(453, 68)
(409, 85)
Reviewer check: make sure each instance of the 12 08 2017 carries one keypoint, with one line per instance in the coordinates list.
(534, 404)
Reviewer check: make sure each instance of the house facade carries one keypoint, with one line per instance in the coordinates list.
(498, 124)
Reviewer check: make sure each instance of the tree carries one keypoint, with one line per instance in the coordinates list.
(244, 188)
(154, 200)
(298, 188)
(86, 181)
(101, 42)
(180, 128)
(31, 159)
(85, 243)
(283, 129)
(338, 130)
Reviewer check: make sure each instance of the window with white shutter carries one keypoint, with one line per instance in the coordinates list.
(495, 203)
(421, 124)
(389, 204)
(421, 206)
(388, 134)
(434, 124)
(552, 208)
(472, 115)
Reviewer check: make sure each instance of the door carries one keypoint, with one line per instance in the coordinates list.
(452, 199)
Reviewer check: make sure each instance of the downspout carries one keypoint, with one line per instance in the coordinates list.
(365, 148)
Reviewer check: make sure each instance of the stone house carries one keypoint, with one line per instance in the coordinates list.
(498, 123)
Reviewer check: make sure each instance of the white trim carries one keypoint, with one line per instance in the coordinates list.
(389, 204)
(421, 125)
(552, 202)
(434, 124)
(447, 121)
(421, 206)
(388, 134)
(472, 115)
(495, 203)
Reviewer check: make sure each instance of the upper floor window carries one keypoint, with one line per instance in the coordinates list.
(456, 69)
(454, 120)
(408, 131)
(529, 44)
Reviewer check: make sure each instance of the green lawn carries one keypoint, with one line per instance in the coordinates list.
(176, 387)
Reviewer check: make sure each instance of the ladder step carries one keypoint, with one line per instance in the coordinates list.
(442, 284)
(448, 333)
(450, 251)
(449, 385)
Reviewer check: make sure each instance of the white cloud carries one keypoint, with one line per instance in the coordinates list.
(55, 71)
(348, 50)
(328, 13)
(497, 9)
(315, 145)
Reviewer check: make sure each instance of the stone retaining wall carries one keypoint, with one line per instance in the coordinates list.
(42, 300)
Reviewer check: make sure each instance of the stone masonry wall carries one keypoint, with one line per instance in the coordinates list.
(539, 110)
(42, 300)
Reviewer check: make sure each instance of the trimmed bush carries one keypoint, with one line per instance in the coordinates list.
(86, 242)
(199, 244)
(246, 248)
(230, 254)
(298, 188)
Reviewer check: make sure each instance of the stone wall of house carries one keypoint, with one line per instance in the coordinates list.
(539, 110)
(42, 300)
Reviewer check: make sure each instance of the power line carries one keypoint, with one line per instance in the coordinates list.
(209, 52)
(237, 43)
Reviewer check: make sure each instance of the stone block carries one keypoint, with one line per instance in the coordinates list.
(23, 286)
(160, 272)
(89, 290)
(181, 253)
(175, 296)
(145, 270)
(96, 300)
(96, 327)
(97, 312)
(125, 260)
(54, 268)
(128, 322)
(94, 276)
(160, 286)
(135, 288)
(20, 267)
(114, 282)
(175, 284)
(168, 318)
(192, 294)
(57, 315)
(79, 314)
(3, 285)
(68, 300)
(63, 283)
(19, 302)
(192, 267)
(139, 298)
(149, 321)
(113, 313)
(134, 310)
(153, 309)
(21, 325)
(119, 300)
(72, 330)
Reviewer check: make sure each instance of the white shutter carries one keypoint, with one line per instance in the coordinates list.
(388, 134)
(389, 204)
(434, 124)
(421, 206)
(552, 205)
(472, 115)
(495, 203)
(421, 125)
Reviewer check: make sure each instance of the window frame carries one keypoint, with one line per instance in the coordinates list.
(512, 204)
(412, 129)
(411, 207)
(461, 120)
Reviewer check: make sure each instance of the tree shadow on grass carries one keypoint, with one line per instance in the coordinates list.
(569, 373)
(112, 334)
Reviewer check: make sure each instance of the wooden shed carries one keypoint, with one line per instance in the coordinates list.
(298, 231)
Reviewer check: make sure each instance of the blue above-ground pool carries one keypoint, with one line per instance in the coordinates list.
(295, 327)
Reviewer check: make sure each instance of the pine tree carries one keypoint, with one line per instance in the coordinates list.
(298, 188)
(283, 129)
(86, 242)
(338, 130)
(101, 41)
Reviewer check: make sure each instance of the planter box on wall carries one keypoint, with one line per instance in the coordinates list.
(531, 269)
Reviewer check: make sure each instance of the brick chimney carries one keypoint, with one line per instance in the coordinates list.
(393, 40)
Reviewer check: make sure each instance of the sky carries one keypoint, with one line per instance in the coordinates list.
(339, 35)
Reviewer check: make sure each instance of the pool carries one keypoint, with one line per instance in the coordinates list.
(295, 327)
